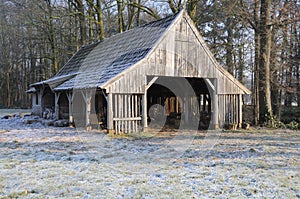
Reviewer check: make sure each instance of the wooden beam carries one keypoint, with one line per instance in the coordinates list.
(136, 112)
(150, 83)
(40, 96)
(57, 105)
(33, 99)
(240, 110)
(214, 98)
(186, 109)
(70, 99)
(87, 96)
(144, 110)
(144, 101)
(204, 102)
(110, 124)
(210, 84)
(127, 119)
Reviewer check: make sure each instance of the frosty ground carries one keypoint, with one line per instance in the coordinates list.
(48, 162)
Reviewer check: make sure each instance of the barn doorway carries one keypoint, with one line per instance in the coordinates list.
(178, 102)
(101, 109)
(48, 99)
(63, 106)
(89, 109)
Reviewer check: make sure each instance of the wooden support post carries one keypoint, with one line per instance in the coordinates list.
(33, 99)
(215, 100)
(177, 105)
(144, 102)
(40, 96)
(240, 110)
(144, 110)
(57, 105)
(110, 124)
(87, 96)
(204, 102)
(186, 109)
(70, 99)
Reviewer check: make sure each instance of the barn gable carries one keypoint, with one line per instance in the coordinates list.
(180, 52)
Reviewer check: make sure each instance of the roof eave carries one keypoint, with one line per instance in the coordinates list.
(54, 80)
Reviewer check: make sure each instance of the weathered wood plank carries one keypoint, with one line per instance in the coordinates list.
(110, 113)
(128, 119)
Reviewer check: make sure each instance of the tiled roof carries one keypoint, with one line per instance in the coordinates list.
(97, 63)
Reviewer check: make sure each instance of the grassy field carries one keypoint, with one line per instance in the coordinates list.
(39, 162)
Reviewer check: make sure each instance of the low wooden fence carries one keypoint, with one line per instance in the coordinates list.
(127, 113)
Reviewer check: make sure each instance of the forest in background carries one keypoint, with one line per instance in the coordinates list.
(258, 41)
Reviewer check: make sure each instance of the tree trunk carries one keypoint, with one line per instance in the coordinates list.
(298, 84)
(138, 14)
(82, 24)
(52, 39)
(229, 46)
(8, 91)
(264, 62)
(120, 15)
(90, 20)
(100, 20)
(172, 6)
(256, 64)
(192, 9)
(131, 12)
(274, 70)
(241, 65)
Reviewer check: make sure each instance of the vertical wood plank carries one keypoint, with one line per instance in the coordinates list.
(129, 112)
(125, 107)
(110, 113)
(132, 112)
(144, 110)
(136, 109)
(240, 110)
(186, 110)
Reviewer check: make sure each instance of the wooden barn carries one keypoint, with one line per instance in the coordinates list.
(161, 71)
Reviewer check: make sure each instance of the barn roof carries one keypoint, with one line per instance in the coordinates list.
(95, 64)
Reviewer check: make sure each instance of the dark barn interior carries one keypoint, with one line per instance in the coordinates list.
(180, 110)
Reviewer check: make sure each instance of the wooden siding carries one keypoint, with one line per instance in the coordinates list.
(229, 110)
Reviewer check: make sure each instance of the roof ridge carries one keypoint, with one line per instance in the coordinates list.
(158, 20)
(132, 29)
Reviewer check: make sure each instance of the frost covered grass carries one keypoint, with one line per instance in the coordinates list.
(46, 162)
(14, 111)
